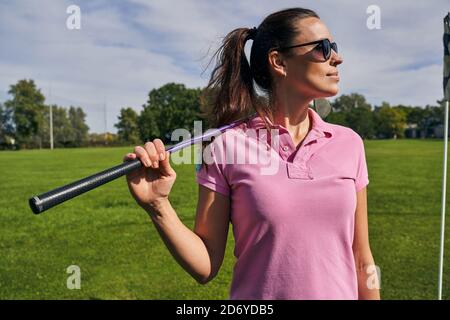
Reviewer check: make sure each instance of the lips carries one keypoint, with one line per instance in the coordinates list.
(333, 74)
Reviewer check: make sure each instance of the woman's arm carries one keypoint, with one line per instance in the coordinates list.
(199, 252)
(368, 282)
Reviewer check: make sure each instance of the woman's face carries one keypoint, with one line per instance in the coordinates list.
(306, 71)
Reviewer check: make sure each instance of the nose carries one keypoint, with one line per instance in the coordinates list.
(336, 59)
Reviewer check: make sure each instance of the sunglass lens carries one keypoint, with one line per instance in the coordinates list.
(326, 47)
(334, 47)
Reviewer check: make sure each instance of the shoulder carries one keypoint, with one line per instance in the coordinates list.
(229, 136)
(223, 144)
(345, 133)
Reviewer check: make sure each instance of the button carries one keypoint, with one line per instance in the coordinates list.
(285, 148)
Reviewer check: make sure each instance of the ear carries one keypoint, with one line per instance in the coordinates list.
(277, 63)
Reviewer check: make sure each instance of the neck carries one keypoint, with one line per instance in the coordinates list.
(293, 115)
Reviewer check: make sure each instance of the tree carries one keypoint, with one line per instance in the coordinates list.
(413, 114)
(337, 117)
(354, 112)
(63, 133)
(128, 129)
(27, 109)
(170, 107)
(360, 119)
(69, 129)
(6, 128)
(80, 129)
(390, 122)
(349, 102)
(148, 124)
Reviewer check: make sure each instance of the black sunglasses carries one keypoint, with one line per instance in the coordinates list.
(324, 46)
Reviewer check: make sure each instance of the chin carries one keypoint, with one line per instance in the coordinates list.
(334, 92)
(329, 92)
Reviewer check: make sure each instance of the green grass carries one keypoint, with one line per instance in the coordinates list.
(121, 255)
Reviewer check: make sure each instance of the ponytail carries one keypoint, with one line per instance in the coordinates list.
(230, 94)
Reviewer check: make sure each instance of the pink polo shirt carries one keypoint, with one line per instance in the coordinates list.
(293, 224)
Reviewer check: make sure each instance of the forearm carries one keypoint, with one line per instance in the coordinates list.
(186, 247)
(368, 281)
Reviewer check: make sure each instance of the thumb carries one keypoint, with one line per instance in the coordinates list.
(165, 167)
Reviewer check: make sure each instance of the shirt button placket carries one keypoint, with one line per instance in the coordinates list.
(302, 161)
(285, 151)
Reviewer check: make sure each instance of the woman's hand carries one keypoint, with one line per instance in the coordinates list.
(153, 181)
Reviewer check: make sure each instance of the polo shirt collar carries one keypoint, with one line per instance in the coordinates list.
(319, 126)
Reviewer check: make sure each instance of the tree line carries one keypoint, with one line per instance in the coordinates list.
(24, 119)
(174, 106)
(386, 121)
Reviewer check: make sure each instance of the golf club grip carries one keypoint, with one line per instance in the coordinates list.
(47, 200)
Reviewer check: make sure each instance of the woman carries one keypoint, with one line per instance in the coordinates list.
(301, 230)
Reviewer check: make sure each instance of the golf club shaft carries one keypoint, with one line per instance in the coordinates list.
(45, 201)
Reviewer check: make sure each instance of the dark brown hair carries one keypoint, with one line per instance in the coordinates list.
(230, 94)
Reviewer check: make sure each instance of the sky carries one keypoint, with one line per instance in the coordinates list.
(126, 48)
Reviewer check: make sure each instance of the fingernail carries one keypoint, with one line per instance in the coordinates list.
(155, 164)
(161, 156)
(148, 163)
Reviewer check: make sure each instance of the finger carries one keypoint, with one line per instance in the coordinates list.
(151, 150)
(160, 149)
(166, 169)
(142, 154)
(163, 155)
(129, 157)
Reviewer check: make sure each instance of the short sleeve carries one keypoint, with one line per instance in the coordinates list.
(362, 175)
(213, 177)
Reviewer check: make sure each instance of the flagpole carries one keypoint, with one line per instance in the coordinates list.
(446, 82)
(444, 184)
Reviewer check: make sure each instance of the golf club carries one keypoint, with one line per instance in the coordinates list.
(45, 201)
